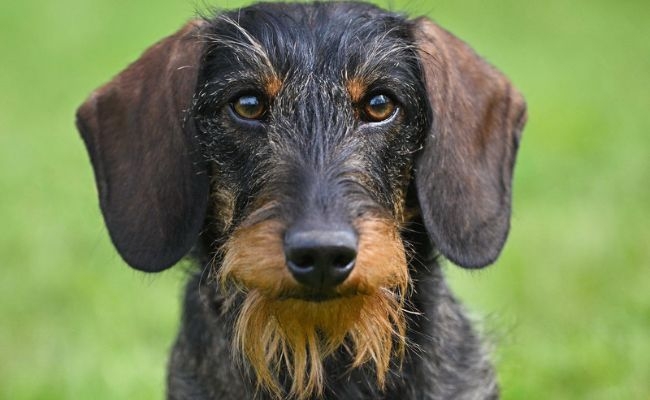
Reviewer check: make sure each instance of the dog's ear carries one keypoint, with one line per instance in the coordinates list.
(153, 186)
(464, 172)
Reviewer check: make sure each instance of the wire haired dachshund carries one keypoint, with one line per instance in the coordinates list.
(315, 160)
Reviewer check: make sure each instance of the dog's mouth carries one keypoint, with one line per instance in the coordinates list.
(313, 297)
(319, 296)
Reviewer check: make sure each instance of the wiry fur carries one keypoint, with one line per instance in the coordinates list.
(177, 168)
(276, 330)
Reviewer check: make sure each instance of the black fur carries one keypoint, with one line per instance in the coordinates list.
(441, 166)
(310, 153)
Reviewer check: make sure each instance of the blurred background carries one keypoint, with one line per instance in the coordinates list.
(567, 305)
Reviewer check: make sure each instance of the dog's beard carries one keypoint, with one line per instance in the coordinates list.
(275, 330)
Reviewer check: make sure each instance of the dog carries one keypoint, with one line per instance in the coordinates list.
(316, 161)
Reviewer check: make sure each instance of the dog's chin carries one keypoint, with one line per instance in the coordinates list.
(296, 333)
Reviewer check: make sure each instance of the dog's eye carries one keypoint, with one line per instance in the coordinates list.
(378, 108)
(249, 107)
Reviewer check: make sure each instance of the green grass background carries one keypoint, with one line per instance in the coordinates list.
(567, 304)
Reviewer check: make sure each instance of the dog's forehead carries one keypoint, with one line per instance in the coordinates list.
(318, 38)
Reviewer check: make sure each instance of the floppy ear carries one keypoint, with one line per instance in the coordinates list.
(152, 183)
(463, 175)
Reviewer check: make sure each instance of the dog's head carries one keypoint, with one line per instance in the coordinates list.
(309, 135)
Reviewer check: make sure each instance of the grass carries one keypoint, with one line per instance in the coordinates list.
(567, 304)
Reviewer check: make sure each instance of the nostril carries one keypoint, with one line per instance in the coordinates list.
(301, 258)
(343, 257)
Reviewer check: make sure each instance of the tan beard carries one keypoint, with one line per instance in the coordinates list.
(275, 330)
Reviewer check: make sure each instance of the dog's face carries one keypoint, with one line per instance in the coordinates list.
(292, 134)
(311, 126)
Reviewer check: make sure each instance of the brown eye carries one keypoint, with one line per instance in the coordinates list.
(378, 108)
(249, 107)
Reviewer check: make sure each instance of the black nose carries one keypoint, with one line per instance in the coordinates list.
(320, 259)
